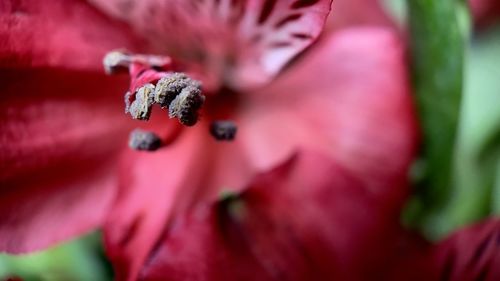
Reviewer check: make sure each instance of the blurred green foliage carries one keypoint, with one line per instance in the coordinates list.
(474, 192)
(437, 40)
(78, 260)
(476, 186)
(458, 178)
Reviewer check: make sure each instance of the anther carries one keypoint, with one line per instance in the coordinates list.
(140, 108)
(127, 99)
(174, 90)
(144, 140)
(223, 130)
(186, 104)
(115, 62)
(169, 87)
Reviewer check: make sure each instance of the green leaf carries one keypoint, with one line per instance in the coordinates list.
(78, 260)
(477, 159)
(438, 34)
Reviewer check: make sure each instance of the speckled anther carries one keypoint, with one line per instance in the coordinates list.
(144, 140)
(223, 130)
(185, 106)
(140, 108)
(171, 85)
(127, 100)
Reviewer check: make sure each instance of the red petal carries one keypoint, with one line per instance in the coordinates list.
(247, 42)
(156, 186)
(350, 98)
(471, 254)
(412, 259)
(150, 184)
(485, 11)
(346, 13)
(60, 132)
(66, 33)
(307, 220)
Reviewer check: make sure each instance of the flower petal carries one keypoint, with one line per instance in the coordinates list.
(350, 98)
(243, 43)
(60, 132)
(471, 254)
(65, 33)
(411, 260)
(348, 13)
(306, 220)
(485, 11)
(149, 186)
(157, 186)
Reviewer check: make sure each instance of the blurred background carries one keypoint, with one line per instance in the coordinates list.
(79, 260)
(473, 194)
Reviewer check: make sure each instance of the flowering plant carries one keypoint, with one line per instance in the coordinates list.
(254, 146)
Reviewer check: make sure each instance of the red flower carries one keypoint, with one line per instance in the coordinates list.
(62, 128)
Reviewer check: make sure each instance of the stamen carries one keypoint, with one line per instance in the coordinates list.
(223, 130)
(169, 87)
(173, 90)
(186, 104)
(140, 108)
(144, 140)
(115, 62)
(120, 61)
(127, 99)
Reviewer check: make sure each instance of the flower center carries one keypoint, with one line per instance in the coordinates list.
(154, 81)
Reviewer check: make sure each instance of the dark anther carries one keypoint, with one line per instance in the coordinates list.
(186, 104)
(144, 140)
(188, 118)
(223, 130)
(169, 87)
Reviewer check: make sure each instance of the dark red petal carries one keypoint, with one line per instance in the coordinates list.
(349, 97)
(307, 220)
(471, 254)
(412, 259)
(247, 42)
(66, 33)
(60, 132)
(348, 13)
(485, 12)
